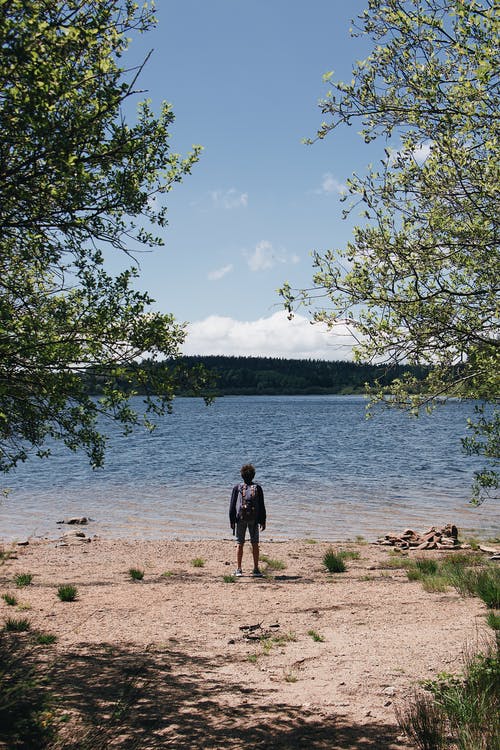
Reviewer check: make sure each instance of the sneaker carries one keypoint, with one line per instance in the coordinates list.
(238, 572)
(256, 573)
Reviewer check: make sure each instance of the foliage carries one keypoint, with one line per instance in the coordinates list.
(9, 599)
(333, 562)
(423, 721)
(273, 375)
(79, 188)
(198, 562)
(67, 592)
(467, 573)
(470, 702)
(418, 283)
(229, 579)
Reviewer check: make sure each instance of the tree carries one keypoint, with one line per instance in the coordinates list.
(77, 184)
(419, 281)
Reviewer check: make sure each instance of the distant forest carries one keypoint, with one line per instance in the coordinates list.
(248, 376)
(245, 376)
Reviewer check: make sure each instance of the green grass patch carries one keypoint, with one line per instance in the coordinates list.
(315, 636)
(310, 541)
(435, 584)
(493, 620)
(273, 564)
(23, 579)
(229, 579)
(46, 639)
(136, 574)
(198, 562)
(9, 599)
(333, 562)
(67, 592)
(167, 574)
(349, 554)
(252, 658)
(17, 624)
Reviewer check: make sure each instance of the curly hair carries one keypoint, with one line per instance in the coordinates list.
(247, 473)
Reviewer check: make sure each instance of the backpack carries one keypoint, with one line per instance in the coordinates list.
(247, 502)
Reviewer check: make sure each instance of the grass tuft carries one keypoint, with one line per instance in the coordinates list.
(136, 574)
(273, 564)
(46, 639)
(315, 636)
(423, 721)
(17, 625)
(229, 579)
(349, 554)
(67, 592)
(198, 562)
(333, 562)
(9, 599)
(23, 579)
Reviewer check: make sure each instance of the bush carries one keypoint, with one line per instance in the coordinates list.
(198, 562)
(66, 592)
(333, 562)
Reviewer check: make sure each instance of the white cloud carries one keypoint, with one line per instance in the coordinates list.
(229, 199)
(219, 273)
(330, 184)
(265, 256)
(422, 152)
(275, 336)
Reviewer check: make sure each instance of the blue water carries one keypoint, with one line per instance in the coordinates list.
(327, 473)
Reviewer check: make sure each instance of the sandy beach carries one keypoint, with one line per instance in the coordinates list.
(299, 658)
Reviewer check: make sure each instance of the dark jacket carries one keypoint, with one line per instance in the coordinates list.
(259, 504)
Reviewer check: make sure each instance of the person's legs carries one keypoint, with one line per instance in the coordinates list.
(241, 529)
(255, 553)
(254, 538)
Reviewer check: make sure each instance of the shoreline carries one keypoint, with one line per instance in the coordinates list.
(186, 630)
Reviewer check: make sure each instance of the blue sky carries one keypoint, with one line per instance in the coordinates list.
(244, 79)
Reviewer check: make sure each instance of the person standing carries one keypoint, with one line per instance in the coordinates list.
(247, 510)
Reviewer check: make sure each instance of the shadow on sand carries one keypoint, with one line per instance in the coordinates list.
(164, 698)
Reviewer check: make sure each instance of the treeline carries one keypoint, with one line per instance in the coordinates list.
(246, 376)
(274, 376)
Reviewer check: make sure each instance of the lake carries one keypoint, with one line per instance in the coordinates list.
(327, 473)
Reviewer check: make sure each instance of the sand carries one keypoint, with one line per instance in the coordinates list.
(299, 658)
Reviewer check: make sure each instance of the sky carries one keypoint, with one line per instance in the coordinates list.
(244, 80)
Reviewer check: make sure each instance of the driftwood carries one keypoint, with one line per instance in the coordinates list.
(445, 537)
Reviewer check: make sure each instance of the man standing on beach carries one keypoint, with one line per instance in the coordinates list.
(247, 511)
